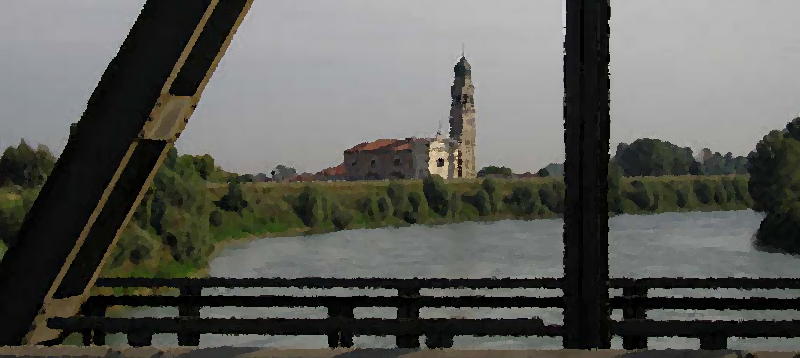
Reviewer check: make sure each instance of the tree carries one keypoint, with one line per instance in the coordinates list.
(494, 170)
(25, 166)
(233, 200)
(653, 157)
(543, 173)
(282, 173)
(774, 185)
(436, 194)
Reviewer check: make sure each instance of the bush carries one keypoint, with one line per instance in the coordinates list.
(552, 196)
(312, 206)
(489, 185)
(482, 202)
(419, 208)
(682, 193)
(233, 200)
(215, 218)
(436, 194)
(703, 191)
(523, 200)
(341, 217)
(399, 198)
(641, 196)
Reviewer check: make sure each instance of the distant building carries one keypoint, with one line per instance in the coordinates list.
(449, 157)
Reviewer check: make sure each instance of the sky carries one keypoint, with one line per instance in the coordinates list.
(304, 80)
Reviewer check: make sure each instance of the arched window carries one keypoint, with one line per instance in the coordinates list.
(440, 162)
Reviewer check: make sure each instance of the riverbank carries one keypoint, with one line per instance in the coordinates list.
(184, 221)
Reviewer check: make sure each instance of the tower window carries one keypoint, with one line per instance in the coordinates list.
(372, 163)
(440, 162)
(354, 163)
(397, 162)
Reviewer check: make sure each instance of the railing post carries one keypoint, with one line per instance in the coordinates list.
(439, 340)
(634, 310)
(342, 336)
(409, 311)
(189, 337)
(714, 341)
(140, 338)
(97, 335)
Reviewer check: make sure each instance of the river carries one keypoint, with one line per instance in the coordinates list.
(697, 244)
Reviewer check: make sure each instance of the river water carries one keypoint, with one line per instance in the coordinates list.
(698, 244)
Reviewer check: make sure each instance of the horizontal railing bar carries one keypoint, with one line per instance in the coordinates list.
(282, 326)
(390, 283)
(726, 282)
(707, 303)
(324, 301)
(750, 329)
(320, 282)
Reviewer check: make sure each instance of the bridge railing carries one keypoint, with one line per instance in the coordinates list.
(408, 327)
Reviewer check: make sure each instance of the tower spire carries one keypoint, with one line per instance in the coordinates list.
(462, 49)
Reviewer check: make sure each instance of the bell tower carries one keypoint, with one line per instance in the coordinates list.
(462, 119)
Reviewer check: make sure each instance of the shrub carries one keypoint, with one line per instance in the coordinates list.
(215, 218)
(419, 208)
(552, 196)
(682, 193)
(703, 191)
(233, 200)
(482, 202)
(489, 185)
(399, 197)
(312, 206)
(522, 200)
(436, 194)
(341, 217)
(640, 195)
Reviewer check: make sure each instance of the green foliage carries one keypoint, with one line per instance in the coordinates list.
(494, 170)
(489, 185)
(419, 208)
(717, 164)
(313, 206)
(653, 157)
(614, 190)
(233, 200)
(398, 195)
(552, 196)
(215, 218)
(775, 187)
(523, 200)
(481, 201)
(25, 166)
(341, 217)
(640, 195)
(543, 173)
(437, 194)
(704, 191)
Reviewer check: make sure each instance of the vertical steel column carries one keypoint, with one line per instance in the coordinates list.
(586, 137)
(139, 108)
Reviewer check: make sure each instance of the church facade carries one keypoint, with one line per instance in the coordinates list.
(450, 156)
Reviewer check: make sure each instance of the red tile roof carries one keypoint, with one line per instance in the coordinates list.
(338, 170)
(384, 144)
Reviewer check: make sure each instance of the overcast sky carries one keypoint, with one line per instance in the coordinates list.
(306, 79)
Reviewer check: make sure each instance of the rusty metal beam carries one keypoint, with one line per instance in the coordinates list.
(139, 108)
(586, 137)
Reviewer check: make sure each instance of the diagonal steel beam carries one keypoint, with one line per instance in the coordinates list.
(139, 108)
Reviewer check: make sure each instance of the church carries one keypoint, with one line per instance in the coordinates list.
(450, 156)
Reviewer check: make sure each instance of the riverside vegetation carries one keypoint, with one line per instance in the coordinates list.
(193, 207)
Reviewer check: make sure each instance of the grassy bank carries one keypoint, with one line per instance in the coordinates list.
(185, 218)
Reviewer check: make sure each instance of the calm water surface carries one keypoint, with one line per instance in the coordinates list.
(713, 244)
